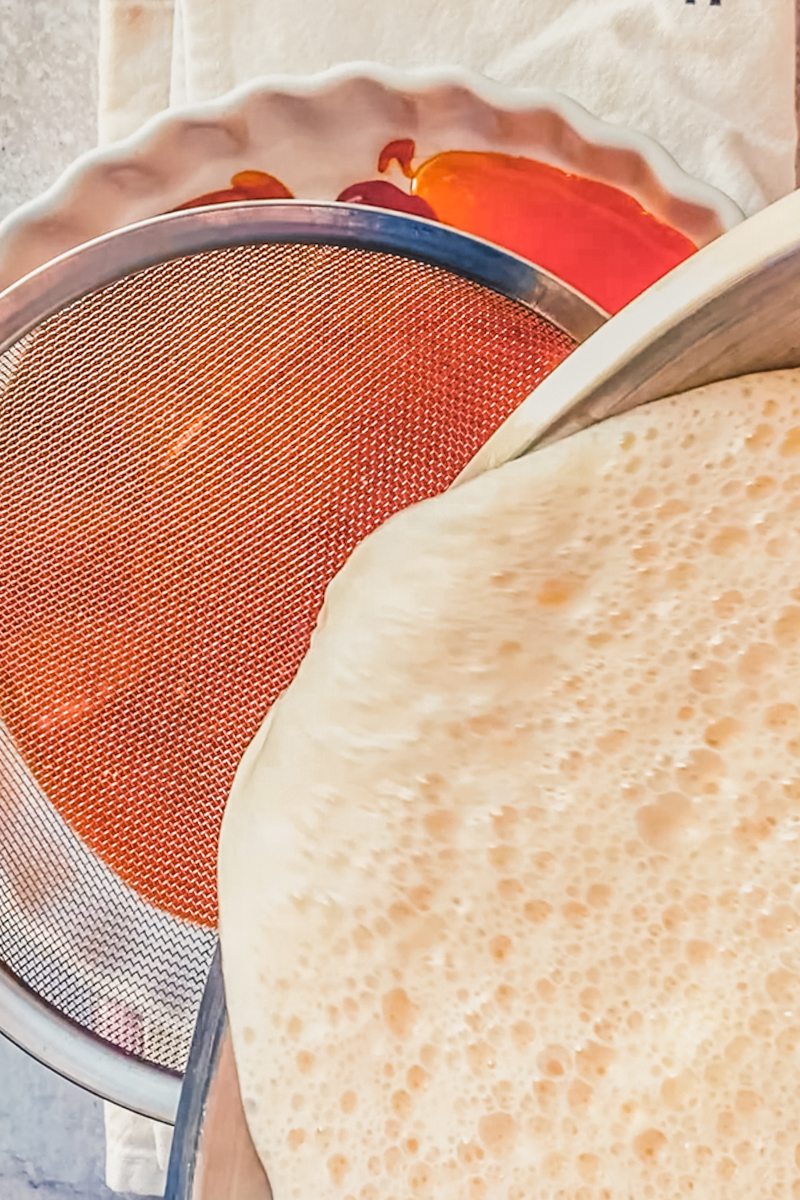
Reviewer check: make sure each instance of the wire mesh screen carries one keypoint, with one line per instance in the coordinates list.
(187, 457)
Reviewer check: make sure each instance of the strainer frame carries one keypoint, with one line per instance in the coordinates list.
(32, 1024)
(94, 265)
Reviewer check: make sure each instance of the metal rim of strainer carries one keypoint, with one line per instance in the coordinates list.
(31, 1023)
(98, 263)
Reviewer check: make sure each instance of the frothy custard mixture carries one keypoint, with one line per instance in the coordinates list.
(510, 882)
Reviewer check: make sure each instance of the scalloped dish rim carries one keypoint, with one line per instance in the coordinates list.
(56, 217)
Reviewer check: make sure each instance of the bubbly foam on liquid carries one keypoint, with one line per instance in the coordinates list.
(511, 885)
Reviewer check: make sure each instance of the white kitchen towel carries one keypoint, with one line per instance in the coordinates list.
(137, 1151)
(711, 80)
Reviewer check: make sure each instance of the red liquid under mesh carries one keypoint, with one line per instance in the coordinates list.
(187, 459)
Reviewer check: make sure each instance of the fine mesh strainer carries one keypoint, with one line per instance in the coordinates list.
(200, 417)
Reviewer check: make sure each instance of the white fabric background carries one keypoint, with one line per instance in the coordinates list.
(714, 83)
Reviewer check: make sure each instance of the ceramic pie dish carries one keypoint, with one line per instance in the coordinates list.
(324, 136)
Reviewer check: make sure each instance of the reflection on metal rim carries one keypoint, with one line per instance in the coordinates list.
(86, 1060)
(101, 262)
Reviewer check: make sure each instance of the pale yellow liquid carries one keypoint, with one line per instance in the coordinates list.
(511, 885)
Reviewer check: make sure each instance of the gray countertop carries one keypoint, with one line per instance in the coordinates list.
(51, 1133)
(48, 86)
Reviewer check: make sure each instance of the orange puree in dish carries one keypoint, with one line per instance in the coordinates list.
(589, 234)
(245, 185)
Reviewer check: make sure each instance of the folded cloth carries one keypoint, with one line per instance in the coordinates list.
(711, 80)
(137, 1151)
